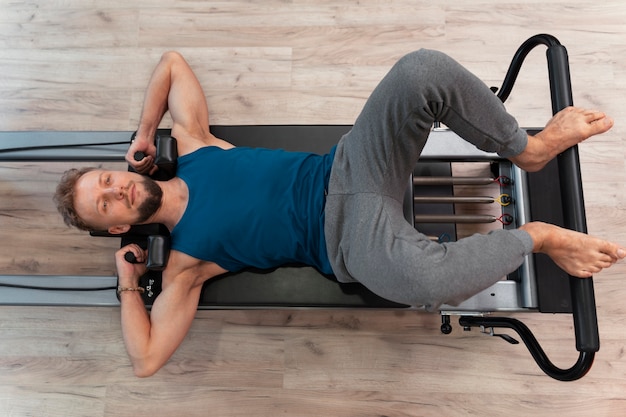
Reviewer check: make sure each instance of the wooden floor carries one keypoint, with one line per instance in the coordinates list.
(79, 65)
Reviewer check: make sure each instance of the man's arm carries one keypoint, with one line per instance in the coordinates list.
(151, 339)
(174, 87)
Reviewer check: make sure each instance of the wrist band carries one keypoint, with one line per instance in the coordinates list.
(120, 289)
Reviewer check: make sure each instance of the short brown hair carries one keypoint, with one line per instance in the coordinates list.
(64, 198)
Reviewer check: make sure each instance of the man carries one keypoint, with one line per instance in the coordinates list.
(229, 207)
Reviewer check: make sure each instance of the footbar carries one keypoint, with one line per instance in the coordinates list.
(582, 290)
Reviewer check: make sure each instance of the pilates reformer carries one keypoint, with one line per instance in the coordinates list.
(553, 195)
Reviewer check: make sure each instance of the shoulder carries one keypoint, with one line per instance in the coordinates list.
(188, 143)
(220, 143)
(185, 270)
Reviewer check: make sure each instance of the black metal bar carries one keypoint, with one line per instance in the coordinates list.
(518, 60)
(583, 300)
(580, 368)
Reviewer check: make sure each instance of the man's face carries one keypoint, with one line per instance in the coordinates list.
(109, 199)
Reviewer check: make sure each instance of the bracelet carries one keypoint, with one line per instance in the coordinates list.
(120, 289)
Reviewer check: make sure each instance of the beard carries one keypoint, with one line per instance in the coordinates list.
(154, 198)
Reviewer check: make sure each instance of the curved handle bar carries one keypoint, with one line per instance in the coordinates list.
(518, 60)
(580, 368)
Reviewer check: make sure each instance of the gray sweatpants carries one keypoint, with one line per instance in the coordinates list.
(367, 236)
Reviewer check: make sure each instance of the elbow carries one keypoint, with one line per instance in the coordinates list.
(171, 57)
(144, 370)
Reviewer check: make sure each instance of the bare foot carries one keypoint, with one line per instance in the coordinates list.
(567, 128)
(578, 254)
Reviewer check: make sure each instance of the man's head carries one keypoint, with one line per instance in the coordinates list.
(92, 199)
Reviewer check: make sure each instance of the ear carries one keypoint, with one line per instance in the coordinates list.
(120, 229)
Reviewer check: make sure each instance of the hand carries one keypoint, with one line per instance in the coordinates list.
(129, 273)
(146, 164)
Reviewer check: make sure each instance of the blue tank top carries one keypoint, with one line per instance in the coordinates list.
(252, 207)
